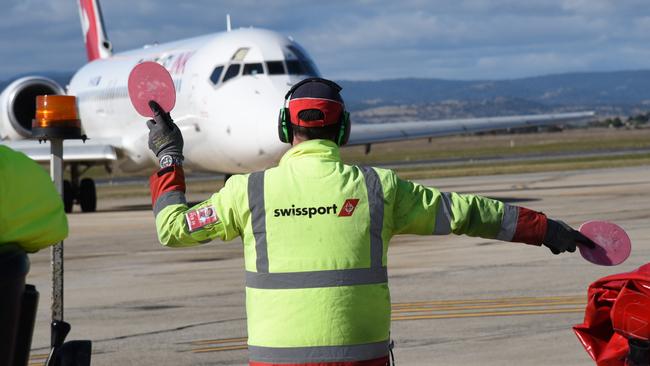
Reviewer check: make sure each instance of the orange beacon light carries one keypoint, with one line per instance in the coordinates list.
(56, 117)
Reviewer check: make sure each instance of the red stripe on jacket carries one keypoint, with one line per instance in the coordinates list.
(531, 227)
(171, 178)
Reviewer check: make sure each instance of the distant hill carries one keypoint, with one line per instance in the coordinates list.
(609, 93)
(596, 88)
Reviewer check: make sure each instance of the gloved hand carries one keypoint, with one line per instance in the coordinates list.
(561, 237)
(164, 136)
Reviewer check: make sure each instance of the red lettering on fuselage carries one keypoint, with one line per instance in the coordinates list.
(178, 66)
(174, 63)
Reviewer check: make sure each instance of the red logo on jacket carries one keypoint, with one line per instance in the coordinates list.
(199, 218)
(348, 207)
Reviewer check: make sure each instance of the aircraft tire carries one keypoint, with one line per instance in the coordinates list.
(87, 195)
(68, 196)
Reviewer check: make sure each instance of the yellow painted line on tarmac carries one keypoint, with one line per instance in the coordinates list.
(444, 309)
(488, 301)
(490, 306)
(219, 341)
(37, 359)
(486, 314)
(217, 349)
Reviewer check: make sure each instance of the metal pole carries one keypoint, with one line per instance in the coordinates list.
(56, 171)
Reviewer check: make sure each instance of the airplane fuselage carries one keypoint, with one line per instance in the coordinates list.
(230, 87)
(228, 118)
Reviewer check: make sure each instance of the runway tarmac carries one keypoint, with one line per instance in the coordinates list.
(456, 300)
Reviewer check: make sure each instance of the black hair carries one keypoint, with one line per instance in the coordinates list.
(329, 132)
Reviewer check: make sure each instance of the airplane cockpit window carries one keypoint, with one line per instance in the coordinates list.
(305, 65)
(275, 67)
(239, 54)
(253, 69)
(295, 67)
(233, 70)
(216, 74)
(310, 69)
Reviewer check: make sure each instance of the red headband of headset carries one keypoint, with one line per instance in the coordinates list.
(331, 109)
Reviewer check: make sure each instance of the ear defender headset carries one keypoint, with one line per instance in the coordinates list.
(285, 130)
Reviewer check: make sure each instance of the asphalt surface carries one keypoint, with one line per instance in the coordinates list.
(457, 300)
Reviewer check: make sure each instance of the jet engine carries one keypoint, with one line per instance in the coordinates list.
(18, 105)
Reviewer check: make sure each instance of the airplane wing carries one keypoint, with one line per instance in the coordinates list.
(394, 131)
(73, 150)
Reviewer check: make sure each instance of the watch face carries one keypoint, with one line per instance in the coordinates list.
(166, 161)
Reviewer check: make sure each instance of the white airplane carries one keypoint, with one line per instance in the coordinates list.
(230, 87)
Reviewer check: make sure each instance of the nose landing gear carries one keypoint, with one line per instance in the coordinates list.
(81, 191)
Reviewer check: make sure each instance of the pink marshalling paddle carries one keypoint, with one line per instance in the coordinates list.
(613, 246)
(150, 81)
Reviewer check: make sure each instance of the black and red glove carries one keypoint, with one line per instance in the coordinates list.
(561, 237)
(164, 136)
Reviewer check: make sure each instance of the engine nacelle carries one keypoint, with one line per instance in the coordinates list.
(18, 105)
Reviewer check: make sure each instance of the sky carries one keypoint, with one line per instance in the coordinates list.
(357, 40)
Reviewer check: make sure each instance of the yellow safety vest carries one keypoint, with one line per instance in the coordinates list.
(316, 234)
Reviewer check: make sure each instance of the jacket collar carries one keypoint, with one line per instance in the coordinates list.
(321, 149)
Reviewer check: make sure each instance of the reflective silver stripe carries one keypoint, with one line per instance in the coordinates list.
(168, 198)
(509, 222)
(357, 352)
(376, 207)
(444, 216)
(258, 219)
(313, 279)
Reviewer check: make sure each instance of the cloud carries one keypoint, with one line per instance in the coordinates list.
(364, 39)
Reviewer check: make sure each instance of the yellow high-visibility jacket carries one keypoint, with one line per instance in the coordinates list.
(31, 210)
(316, 234)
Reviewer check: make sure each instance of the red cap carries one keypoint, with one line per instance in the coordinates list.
(331, 109)
(319, 94)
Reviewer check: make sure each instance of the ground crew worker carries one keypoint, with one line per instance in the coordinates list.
(316, 233)
(31, 218)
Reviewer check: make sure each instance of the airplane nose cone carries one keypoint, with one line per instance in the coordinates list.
(283, 83)
(266, 125)
(247, 119)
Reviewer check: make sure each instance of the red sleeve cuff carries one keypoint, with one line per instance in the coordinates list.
(531, 227)
(171, 178)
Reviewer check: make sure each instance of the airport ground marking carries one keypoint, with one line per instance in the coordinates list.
(558, 303)
(432, 316)
(488, 301)
(38, 359)
(219, 341)
(443, 309)
(222, 348)
(489, 314)
(487, 306)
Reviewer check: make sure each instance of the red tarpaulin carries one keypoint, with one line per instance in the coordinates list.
(600, 333)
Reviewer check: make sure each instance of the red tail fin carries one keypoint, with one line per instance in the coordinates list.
(92, 25)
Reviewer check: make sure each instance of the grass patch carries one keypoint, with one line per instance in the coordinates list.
(142, 189)
(561, 164)
(468, 147)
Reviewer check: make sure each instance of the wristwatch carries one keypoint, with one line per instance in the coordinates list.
(169, 160)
